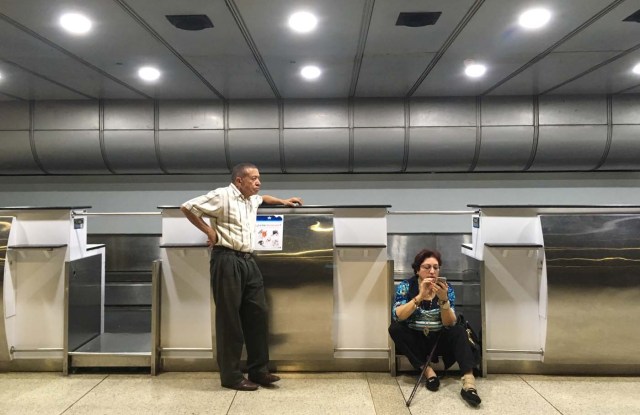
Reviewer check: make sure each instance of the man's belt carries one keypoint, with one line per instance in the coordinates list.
(245, 255)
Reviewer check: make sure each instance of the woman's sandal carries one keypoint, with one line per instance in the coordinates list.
(433, 383)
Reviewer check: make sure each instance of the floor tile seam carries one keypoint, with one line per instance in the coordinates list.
(541, 395)
(85, 394)
(373, 401)
(404, 399)
(231, 403)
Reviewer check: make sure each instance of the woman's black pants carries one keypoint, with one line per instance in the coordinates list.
(416, 346)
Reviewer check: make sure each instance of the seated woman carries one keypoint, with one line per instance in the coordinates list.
(422, 310)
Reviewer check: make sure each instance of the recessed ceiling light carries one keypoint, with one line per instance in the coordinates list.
(310, 72)
(473, 69)
(636, 69)
(148, 73)
(534, 18)
(303, 22)
(75, 23)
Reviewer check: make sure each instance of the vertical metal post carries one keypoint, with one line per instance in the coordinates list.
(156, 271)
(391, 290)
(65, 336)
(483, 319)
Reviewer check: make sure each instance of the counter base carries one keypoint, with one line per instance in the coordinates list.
(334, 365)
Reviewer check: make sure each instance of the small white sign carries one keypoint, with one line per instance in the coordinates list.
(269, 233)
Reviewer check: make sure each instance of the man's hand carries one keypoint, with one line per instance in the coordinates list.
(212, 237)
(292, 201)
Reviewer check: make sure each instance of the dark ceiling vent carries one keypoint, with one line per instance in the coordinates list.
(635, 17)
(190, 21)
(417, 19)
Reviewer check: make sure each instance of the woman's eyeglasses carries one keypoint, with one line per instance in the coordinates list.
(428, 267)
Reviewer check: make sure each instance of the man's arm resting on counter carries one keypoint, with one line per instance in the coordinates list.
(271, 200)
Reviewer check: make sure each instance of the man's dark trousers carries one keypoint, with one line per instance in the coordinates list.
(241, 314)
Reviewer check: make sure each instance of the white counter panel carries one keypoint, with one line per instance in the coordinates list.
(186, 298)
(361, 302)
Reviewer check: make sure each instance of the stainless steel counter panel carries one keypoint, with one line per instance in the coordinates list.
(299, 288)
(5, 228)
(128, 263)
(593, 276)
(84, 308)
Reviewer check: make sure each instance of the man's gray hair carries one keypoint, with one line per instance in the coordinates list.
(239, 170)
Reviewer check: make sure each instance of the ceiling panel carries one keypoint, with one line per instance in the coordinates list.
(609, 79)
(395, 56)
(600, 41)
(551, 72)
(493, 37)
(24, 85)
(610, 32)
(27, 51)
(251, 53)
(220, 54)
(117, 44)
(332, 46)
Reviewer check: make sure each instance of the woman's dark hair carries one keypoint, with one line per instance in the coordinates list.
(424, 254)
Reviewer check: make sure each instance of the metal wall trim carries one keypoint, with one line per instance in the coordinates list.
(103, 147)
(225, 129)
(407, 134)
(344, 151)
(5, 230)
(32, 138)
(350, 117)
(476, 155)
(156, 134)
(536, 133)
(283, 164)
(540, 352)
(607, 146)
(156, 272)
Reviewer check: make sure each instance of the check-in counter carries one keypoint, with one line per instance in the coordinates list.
(560, 287)
(325, 280)
(43, 248)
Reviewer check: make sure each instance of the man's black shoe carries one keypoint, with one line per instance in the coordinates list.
(243, 385)
(264, 379)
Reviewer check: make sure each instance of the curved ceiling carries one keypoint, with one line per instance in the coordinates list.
(250, 53)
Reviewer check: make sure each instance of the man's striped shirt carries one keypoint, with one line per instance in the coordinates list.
(232, 216)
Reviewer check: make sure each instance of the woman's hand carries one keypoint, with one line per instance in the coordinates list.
(428, 289)
(442, 290)
(425, 290)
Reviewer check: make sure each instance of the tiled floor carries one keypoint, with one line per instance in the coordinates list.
(311, 393)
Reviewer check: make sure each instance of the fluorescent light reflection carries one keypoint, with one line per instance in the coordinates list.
(317, 227)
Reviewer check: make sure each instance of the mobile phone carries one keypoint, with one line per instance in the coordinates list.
(443, 279)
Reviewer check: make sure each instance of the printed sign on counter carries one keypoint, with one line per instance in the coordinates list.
(269, 233)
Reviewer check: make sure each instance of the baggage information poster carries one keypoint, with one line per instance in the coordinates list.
(269, 230)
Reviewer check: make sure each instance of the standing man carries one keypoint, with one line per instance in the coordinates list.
(236, 281)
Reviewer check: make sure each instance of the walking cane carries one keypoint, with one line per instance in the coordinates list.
(415, 387)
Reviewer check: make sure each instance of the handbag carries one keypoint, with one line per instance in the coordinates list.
(474, 341)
